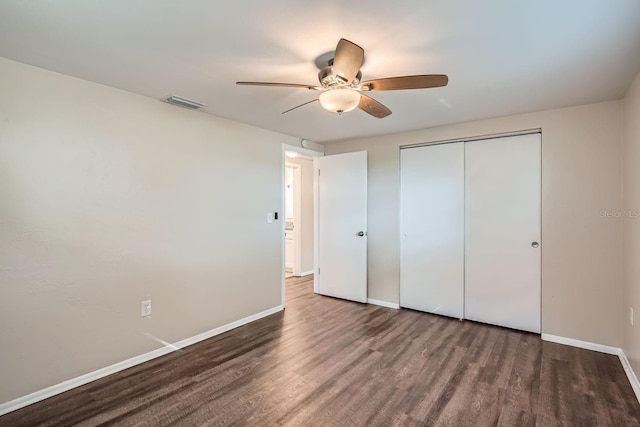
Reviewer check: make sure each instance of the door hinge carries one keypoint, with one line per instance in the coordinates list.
(318, 172)
(318, 271)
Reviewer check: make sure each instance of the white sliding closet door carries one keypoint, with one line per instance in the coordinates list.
(502, 253)
(432, 229)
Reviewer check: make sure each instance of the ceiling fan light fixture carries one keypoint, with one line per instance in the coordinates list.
(339, 100)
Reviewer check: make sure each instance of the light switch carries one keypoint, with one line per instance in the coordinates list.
(269, 217)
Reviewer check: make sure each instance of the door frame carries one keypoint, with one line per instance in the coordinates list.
(315, 155)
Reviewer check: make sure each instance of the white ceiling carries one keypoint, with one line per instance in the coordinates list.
(502, 56)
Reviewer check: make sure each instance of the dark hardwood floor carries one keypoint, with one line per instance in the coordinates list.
(328, 362)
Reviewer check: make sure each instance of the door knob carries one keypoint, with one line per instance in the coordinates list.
(535, 244)
(361, 234)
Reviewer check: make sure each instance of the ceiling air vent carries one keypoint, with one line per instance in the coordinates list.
(184, 102)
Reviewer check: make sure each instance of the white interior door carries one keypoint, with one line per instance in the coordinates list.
(432, 229)
(502, 253)
(342, 226)
(293, 208)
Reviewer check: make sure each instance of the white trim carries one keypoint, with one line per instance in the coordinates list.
(635, 384)
(53, 390)
(633, 379)
(283, 273)
(581, 344)
(306, 273)
(383, 303)
(475, 138)
(308, 152)
(316, 224)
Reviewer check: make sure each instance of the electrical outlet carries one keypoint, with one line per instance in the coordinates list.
(145, 308)
(631, 315)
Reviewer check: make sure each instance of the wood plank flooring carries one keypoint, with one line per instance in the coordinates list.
(328, 362)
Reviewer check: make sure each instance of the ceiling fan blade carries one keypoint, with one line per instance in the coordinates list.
(407, 82)
(348, 60)
(301, 105)
(373, 107)
(310, 87)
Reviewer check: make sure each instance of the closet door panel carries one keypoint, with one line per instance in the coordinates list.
(432, 229)
(502, 229)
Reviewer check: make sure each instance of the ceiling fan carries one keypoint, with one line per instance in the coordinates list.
(342, 88)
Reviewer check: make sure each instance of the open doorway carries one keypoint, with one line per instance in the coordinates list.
(299, 212)
(299, 225)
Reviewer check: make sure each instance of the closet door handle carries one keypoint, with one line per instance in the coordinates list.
(535, 244)
(361, 234)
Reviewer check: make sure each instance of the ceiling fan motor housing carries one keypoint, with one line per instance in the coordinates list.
(329, 80)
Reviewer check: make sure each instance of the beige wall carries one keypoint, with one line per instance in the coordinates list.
(581, 250)
(631, 345)
(306, 217)
(108, 198)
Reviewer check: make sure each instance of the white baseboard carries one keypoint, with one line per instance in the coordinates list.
(633, 379)
(45, 393)
(383, 303)
(306, 273)
(635, 385)
(582, 344)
